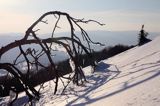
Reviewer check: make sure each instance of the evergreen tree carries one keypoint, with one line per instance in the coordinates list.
(143, 37)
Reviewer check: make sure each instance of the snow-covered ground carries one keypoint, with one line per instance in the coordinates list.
(131, 78)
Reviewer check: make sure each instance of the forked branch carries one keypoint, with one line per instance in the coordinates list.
(73, 46)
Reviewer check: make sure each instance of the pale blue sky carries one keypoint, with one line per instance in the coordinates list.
(118, 15)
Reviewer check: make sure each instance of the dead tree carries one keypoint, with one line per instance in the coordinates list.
(31, 57)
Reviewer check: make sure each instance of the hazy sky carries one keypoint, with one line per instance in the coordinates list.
(118, 15)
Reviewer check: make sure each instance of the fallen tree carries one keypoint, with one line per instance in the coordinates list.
(31, 57)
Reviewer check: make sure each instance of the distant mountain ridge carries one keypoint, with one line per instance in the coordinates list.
(106, 37)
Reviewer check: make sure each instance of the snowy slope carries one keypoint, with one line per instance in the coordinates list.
(137, 84)
(131, 78)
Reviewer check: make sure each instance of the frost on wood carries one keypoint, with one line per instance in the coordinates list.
(37, 73)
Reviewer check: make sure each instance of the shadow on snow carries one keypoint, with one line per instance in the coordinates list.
(104, 78)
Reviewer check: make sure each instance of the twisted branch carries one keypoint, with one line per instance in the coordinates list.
(73, 46)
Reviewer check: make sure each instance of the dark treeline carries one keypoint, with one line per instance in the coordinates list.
(64, 68)
(107, 52)
(112, 51)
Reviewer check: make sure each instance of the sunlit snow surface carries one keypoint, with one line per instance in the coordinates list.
(131, 78)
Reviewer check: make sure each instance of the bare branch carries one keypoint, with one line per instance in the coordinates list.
(73, 47)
